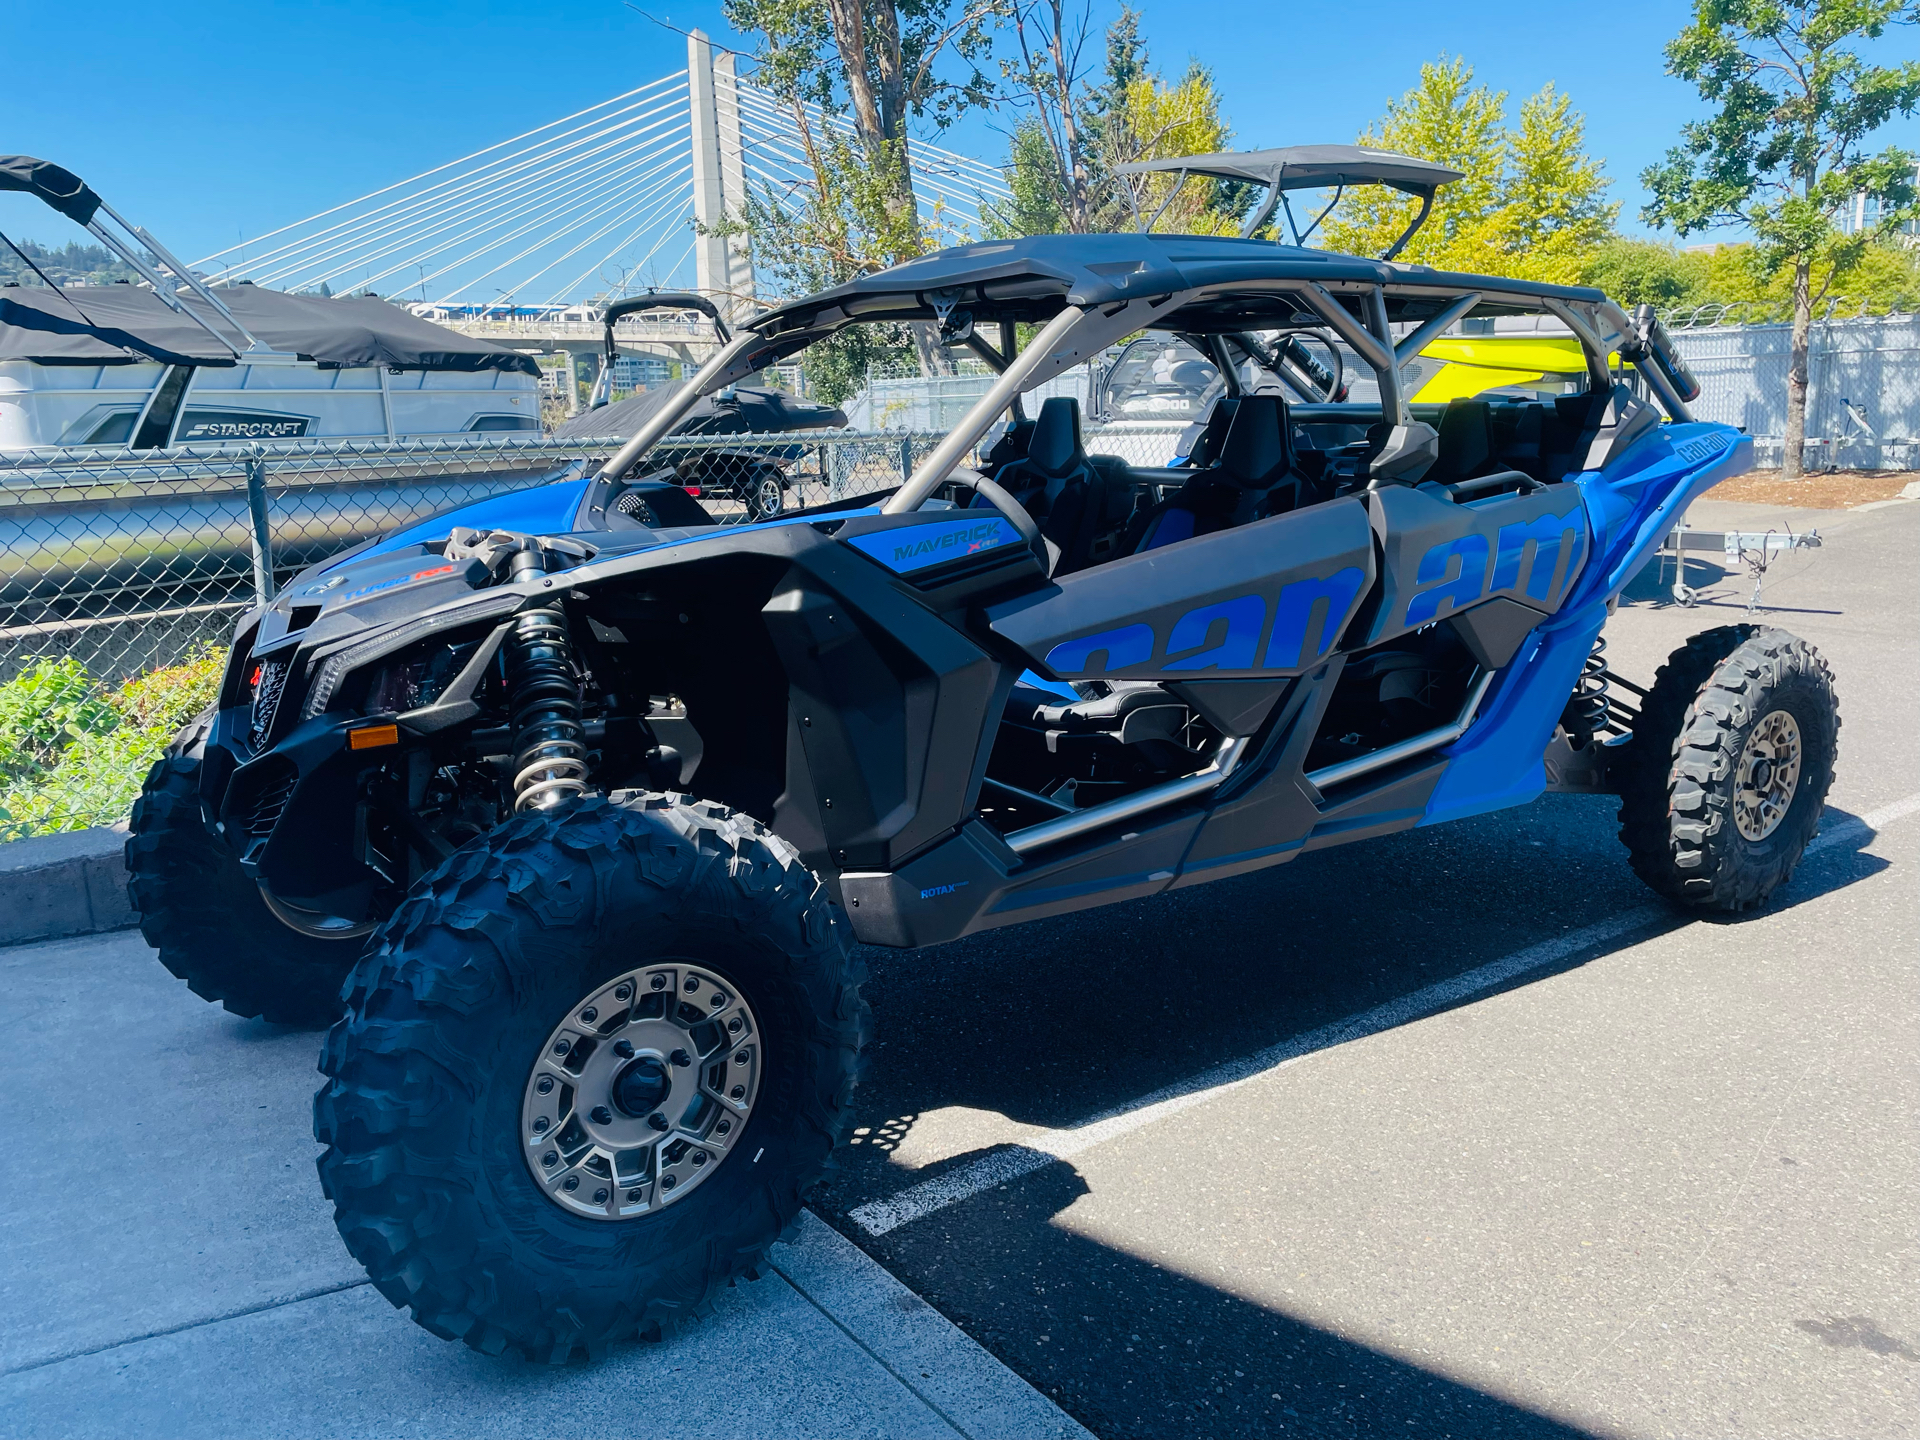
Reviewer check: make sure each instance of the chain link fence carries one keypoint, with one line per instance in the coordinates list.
(131, 560)
(1863, 398)
(119, 569)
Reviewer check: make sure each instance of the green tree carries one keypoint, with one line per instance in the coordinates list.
(1050, 150)
(1531, 201)
(1033, 177)
(1151, 120)
(1795, 101)
(881, 64)
(71, 264)
(1648, 272)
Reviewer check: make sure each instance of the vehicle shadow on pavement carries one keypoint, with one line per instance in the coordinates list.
(1056, 1022)
(1131, 1348)
(1059, 1020)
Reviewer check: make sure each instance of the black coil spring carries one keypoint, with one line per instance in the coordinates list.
(1586, 713)
(550, 752)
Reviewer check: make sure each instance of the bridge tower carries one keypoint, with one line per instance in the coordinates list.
(723, 265)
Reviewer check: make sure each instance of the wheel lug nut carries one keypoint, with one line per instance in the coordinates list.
(589, 1015)
(623, 992)
(739, 1092)
(733, 1025)
(659, 982)
(657, 1120)
(717, 1001)
(602, 1115)
(667, 1182)
(692, 985)
(540, 1125)
(545, 1087)
(681, 1058)
(599, 1197)
(723, 1127)
(633, 1197)
(623, 1048)
(549, 1159)
(699, 1157)
(560, 1047)
(572, 1182)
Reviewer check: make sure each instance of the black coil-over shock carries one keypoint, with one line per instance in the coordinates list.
(549, 743)
(1593, 710)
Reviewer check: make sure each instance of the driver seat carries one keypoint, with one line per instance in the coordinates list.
(1068, 493)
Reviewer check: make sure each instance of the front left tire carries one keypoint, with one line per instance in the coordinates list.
(587, 1073)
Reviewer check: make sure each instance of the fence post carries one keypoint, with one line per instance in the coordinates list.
(262, 529)
(906, 459)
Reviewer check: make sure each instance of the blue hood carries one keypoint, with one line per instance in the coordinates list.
(542, 510)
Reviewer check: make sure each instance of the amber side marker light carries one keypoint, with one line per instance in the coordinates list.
(372, 737)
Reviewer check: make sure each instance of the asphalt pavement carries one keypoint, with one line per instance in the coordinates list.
(1452, 1133)
(1457, 1132)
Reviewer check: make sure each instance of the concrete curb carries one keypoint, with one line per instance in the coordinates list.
(945, 1368)
(53, 886)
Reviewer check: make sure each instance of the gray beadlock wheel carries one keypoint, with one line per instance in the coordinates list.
(642, 1092)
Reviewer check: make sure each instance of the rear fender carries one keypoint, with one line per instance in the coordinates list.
(1631, 505)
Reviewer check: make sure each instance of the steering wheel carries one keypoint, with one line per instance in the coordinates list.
(1298, 341)
(1014, 512)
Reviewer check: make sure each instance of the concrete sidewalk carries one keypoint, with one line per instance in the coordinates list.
(171, 1267)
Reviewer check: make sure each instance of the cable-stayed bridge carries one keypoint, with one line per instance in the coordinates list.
(519, 240)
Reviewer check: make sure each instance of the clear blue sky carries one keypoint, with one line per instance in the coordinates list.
(210, 120)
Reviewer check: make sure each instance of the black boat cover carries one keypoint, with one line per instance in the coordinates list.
(128, 324)
(749, 411)
(58, 186)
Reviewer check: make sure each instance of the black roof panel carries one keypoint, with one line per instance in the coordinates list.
(1031, 278)
(1308, 167)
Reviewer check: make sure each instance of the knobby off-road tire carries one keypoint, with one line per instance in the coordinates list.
(455, 1004)
(1714, 707)
(207, 919)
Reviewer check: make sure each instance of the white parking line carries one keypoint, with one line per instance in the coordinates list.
(877, 1217)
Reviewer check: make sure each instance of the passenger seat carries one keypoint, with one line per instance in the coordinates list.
(1466, 443)
(1254, 477)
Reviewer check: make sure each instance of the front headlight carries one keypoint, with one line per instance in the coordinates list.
(415, 677)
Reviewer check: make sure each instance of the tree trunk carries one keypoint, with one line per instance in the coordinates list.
(869, 31)
(1793, 445)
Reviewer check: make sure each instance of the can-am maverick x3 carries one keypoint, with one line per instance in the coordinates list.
(604, 1029)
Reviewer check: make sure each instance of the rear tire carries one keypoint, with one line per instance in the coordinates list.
(1708, 814)
(429, 1106)
(210, 923)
